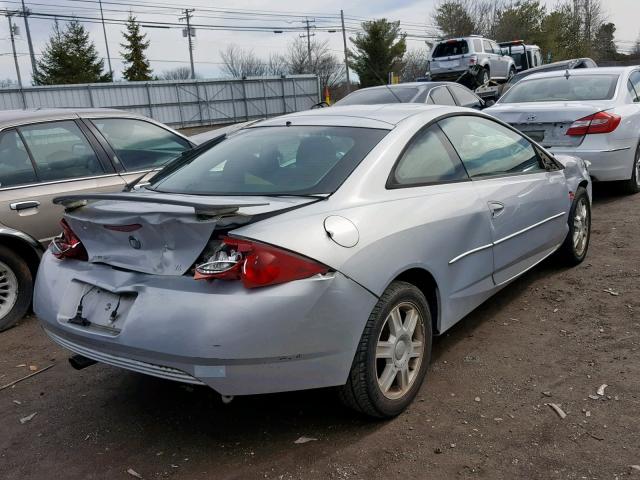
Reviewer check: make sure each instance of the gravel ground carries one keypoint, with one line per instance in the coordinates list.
(553, 336)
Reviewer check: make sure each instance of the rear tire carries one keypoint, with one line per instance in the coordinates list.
(16, 288)
(485, 76)
(393, 354)
(632, 185)
(512, 72)
(574, 249)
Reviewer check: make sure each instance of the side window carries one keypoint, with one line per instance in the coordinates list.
(487, 148)
(487, 46)
(495, 48)
(635, 81)
(15, 165)
(632, 91)
(138, 144)
(477, 45)
(427, 159)
(60, 151)
(465, 98)
(441, 96)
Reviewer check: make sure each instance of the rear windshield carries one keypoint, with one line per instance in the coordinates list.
(573, 89)
(273, 160)
(450, 48)
(376, 96)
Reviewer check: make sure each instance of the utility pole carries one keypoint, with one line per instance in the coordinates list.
(13, 47)
(308, 36)
(187, 17)
(25, 15)
(346, 52)
(106, 42)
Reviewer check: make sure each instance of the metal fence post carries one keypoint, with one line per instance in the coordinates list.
(206, 102)
(244, 97)
(266, 105)
(199, 102)
(179, 105)
(150, 106)
(233, 104)
(295, 95)
(90, 96)
(284, 98)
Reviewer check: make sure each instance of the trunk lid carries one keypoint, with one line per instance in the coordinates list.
(161, 234)
(547, 123)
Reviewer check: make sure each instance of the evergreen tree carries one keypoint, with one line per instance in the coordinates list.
(70, 57)
(136, 64)
(379, 50)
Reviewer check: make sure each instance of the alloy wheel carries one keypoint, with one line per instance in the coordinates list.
(400, 350)
(581, 227)
(637, 167)
(8, 289)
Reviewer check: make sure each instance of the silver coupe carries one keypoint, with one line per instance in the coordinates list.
(318, 249)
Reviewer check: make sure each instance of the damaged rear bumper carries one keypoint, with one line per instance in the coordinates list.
(294, 336)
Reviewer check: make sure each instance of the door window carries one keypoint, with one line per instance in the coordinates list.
(428, 159)
(635, 81)
(488, 149)
(15, 165)
(60, 151)
(441, 96)
(140, 145)
(465, 98)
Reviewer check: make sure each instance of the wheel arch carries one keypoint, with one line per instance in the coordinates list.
(23, 245)
(426, 282)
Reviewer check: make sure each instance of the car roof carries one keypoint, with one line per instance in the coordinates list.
(15, 117)
(580, 71)
(384, 116)
(407, 84)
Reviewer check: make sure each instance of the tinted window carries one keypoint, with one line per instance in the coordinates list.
(274, 160)
(15, 165)
(487, 148)
(635, 81)
(60, 150)
(428, 160)
(557, 89)
(373, 96)
(450, 48)
(139, 144)
(441, 96)
(465, 98)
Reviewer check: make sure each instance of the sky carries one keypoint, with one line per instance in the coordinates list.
(169, 48)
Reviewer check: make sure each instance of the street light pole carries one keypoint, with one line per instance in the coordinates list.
(346, 52)
(13, 47)
(25, 15)
(106, 42)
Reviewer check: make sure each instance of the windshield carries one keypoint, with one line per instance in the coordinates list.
(294, 160)
(376, 96)
(575, 88)
(450, 48)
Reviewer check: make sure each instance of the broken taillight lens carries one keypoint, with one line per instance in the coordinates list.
(255, 264)
(67, 244)
(601, 122)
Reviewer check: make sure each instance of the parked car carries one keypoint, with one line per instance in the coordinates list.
(550, 67)
(317, 249)
(432, 93)
(45, 153)
(454, 58)
(592, 113)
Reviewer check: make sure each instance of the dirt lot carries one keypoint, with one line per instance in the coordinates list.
(554, 336)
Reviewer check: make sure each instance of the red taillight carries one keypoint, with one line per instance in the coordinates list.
(68, 245)
(256, 264)
(601, 122)
(473, 60)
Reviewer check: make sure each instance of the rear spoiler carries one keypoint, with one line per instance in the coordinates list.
(201, 205)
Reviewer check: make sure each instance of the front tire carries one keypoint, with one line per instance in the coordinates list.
(393, 354)
(633, 184)
(16, 288)
(574, 249)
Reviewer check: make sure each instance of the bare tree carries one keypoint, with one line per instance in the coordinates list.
(239, 63)
(179, 73)
(324, 64)
(277, 65)
(414, 65)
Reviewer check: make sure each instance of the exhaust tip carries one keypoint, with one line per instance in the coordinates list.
(79, 362)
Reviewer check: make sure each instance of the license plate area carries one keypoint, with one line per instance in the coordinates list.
(449, 64)
(96, 308)
(536, 135)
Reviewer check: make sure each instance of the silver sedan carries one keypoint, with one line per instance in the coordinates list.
(322, 248)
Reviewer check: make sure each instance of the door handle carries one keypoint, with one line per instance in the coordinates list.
(496, 208)
(24, 205)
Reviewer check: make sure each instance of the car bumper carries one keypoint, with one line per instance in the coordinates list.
(294, 336)
(448, 76)
(606, 164)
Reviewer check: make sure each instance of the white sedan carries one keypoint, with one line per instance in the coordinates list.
(592, 113)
